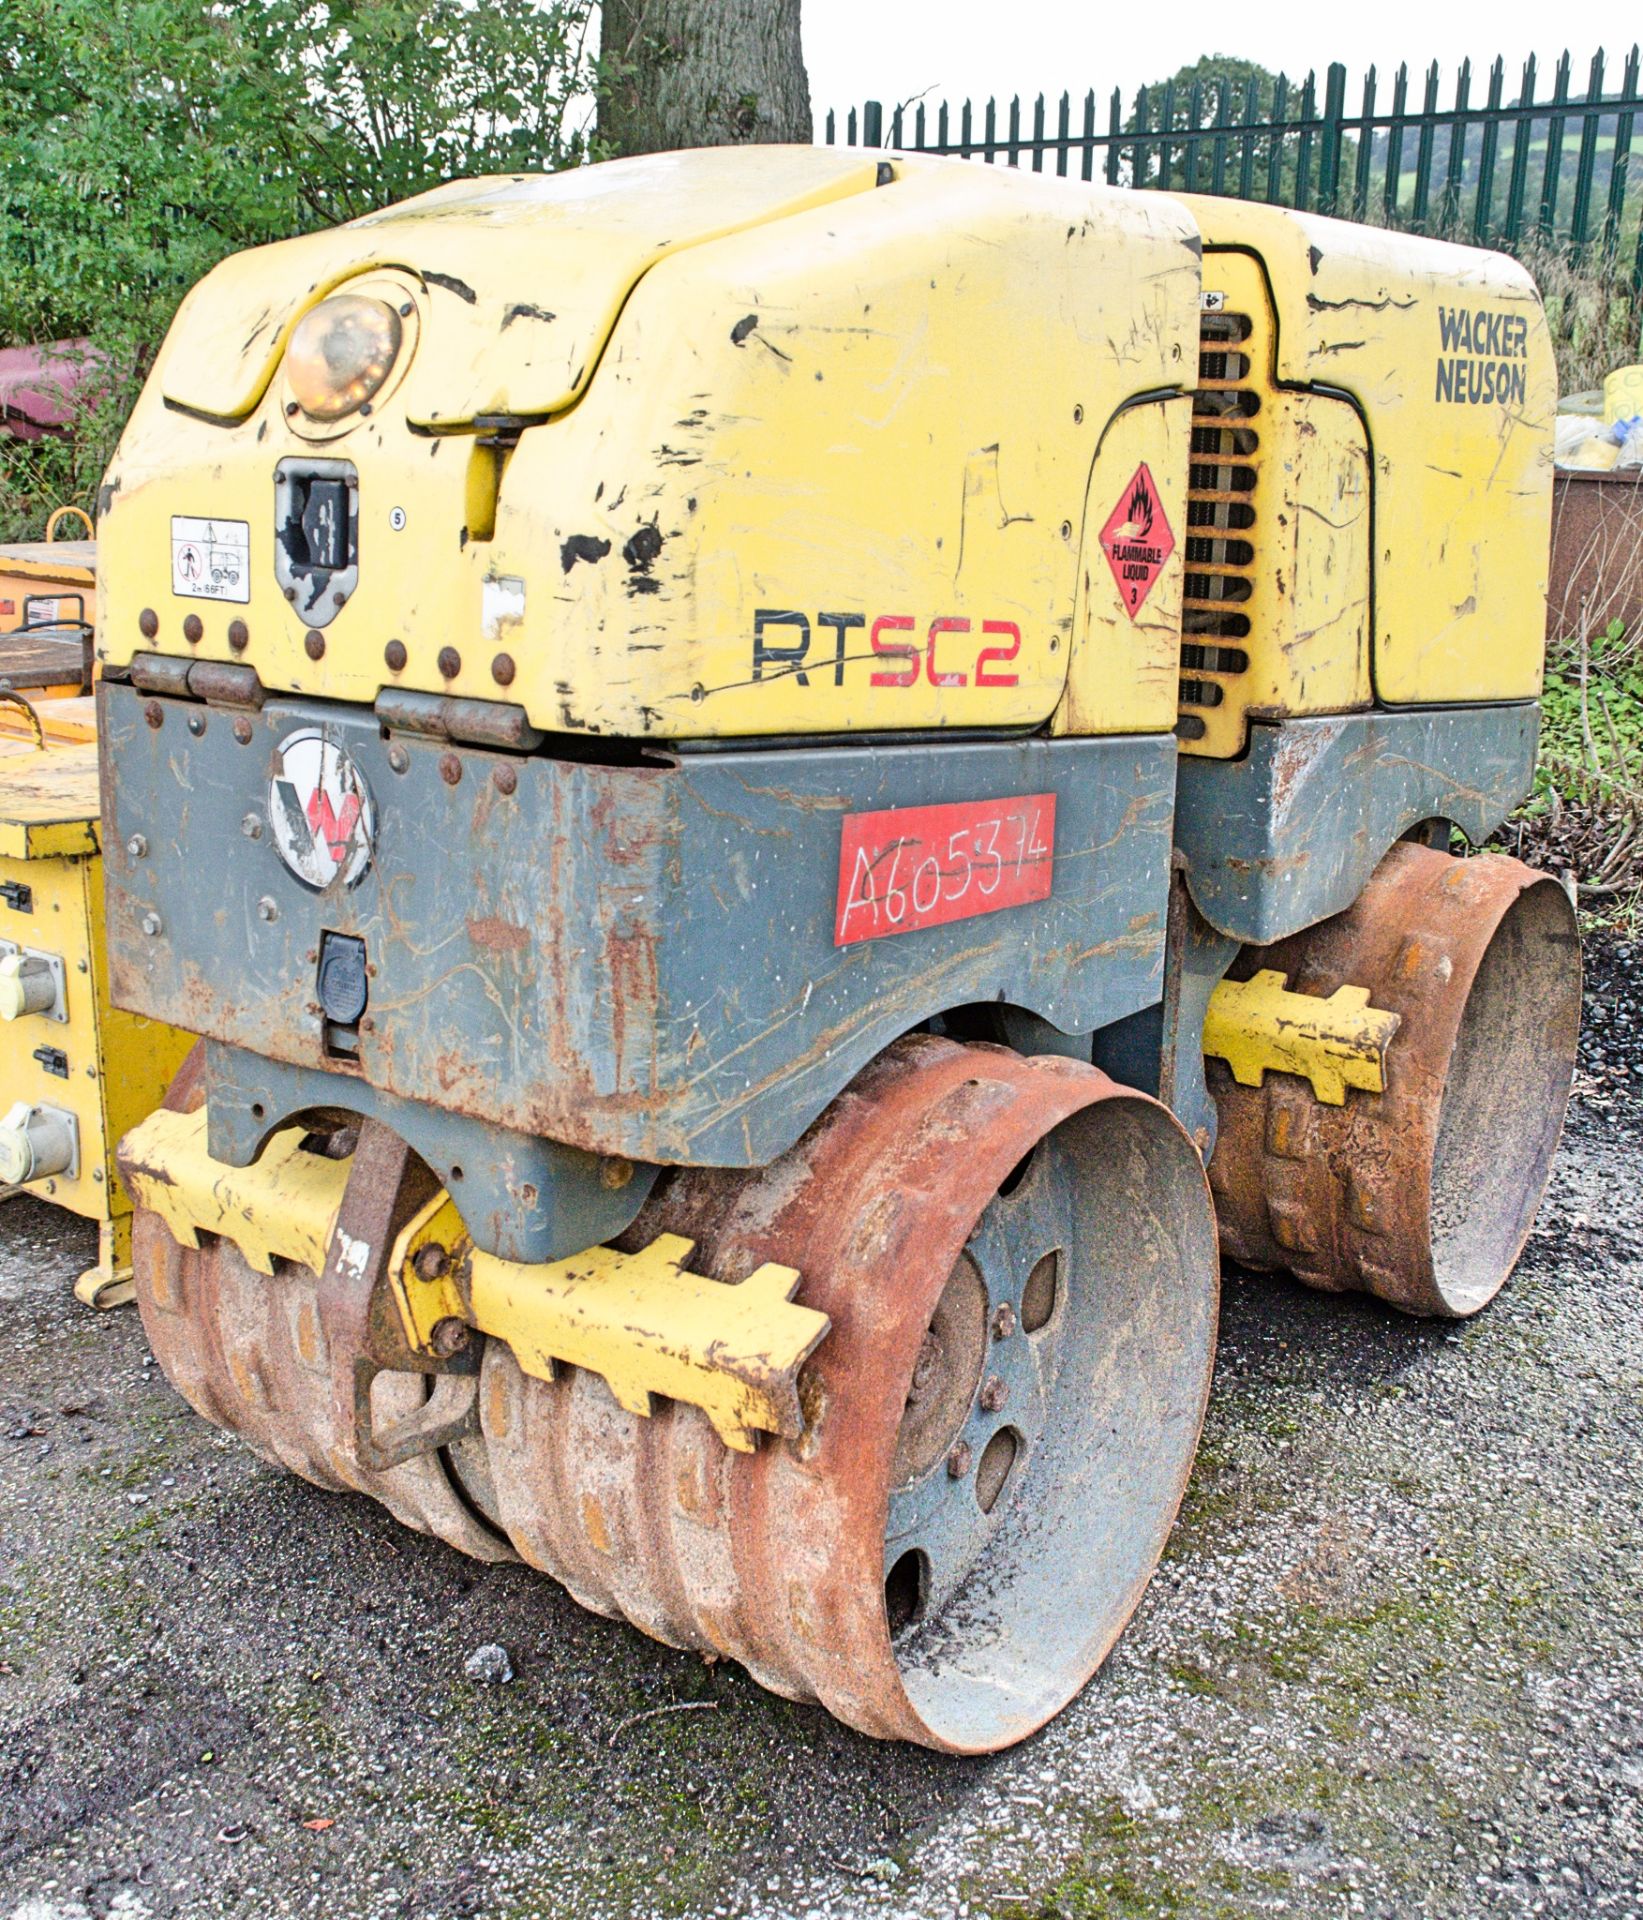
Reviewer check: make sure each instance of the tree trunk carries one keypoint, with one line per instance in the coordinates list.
(701, 73)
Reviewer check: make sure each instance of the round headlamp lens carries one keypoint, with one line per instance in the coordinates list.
(340, 354)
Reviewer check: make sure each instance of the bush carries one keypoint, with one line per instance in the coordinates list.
(147, 139)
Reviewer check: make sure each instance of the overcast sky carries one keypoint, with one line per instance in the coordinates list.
(890, 50)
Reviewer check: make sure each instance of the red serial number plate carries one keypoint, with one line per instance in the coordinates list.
(916, 867)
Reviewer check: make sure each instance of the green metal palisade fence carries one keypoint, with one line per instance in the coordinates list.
(1558, 170)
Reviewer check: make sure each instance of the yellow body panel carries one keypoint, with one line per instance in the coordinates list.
(1446, 351)
(841, 469)
(1336, 1041)
(826, 446)
(1277, 584)
(523, 276)
(1122, 674)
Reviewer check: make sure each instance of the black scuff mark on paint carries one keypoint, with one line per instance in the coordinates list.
(451, 284)
(251, 337)
(640, 553)
(525, 310)
(667, 456)
(742, 328)
(1317, 305)
(1315, 258)
(262, 432)
(582, 546)
(770, 347)
(462, 542)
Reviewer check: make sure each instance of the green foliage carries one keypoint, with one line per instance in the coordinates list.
(1236, 92)
(1592, 719)
(147, 139)
(1585, 818)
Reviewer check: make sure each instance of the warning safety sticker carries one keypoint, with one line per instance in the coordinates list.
(210, 559)
(1137, 540)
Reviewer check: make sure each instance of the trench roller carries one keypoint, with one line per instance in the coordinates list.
(785, 751)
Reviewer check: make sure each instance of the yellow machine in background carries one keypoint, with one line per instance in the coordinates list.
(75, 1072)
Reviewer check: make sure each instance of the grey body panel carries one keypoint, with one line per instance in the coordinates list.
(632, 960)
(1290, 834)
(520, 1196)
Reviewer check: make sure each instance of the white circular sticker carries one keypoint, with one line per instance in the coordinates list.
(320, 811)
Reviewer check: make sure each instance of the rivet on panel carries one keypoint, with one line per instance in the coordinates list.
(506, 779)
(398, 759)
(314, 644)
(193, 629)
(450, 662)
(148, 623)
(502, 669)
(154, 714)
(239, 635)
(395, 656)
(450, 769)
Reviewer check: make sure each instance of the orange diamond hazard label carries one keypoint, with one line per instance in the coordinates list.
(1137, 540)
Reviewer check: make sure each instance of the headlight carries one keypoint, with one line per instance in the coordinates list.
(340, 354)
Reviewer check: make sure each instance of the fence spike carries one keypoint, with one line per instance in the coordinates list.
(1423, 150)
(1586, 165)
(1551, 172)
(1458, 130)
(1246, 141)
(1490, 149)
(1620, 166)
(1275, 145)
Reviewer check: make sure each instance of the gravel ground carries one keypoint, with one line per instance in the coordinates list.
(1391, 1665)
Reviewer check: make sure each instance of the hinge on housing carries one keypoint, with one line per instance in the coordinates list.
(472, 723)
(17, 896)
